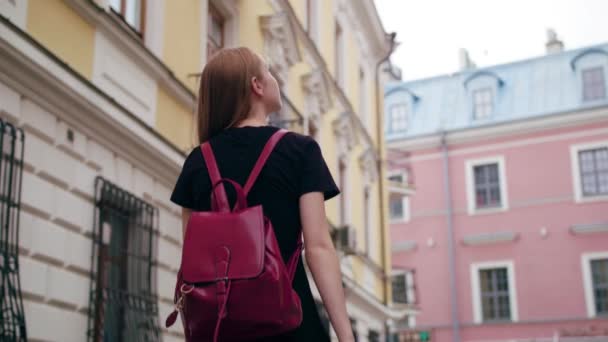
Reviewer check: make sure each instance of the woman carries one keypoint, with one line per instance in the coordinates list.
(237, 93)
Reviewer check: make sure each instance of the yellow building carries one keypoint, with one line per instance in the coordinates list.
(104, 93)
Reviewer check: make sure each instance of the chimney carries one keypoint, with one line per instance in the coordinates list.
(553, 44)
(464, 60)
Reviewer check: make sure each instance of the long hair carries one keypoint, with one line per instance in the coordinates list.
(224, 97)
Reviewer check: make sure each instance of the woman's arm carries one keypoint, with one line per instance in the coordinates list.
(323, 262)
(185, 217)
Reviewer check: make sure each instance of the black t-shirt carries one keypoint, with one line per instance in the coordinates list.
(295, 167)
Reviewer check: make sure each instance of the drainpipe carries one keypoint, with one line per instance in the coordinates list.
(379, 136)
(451, 240)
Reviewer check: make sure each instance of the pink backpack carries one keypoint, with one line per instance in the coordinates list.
(233, 282)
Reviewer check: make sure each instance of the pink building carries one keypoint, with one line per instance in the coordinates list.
(499, 199)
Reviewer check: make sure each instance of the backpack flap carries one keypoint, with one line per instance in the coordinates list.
(240, 233)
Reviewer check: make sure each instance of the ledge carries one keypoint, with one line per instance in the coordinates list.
(489, 238)
(404, 246)
(581, 229)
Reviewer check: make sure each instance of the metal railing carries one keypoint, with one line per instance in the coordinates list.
(12, 316)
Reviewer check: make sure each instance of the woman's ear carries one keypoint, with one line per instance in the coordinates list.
(257, 86)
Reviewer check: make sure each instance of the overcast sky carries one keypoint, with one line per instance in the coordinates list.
(493, 31)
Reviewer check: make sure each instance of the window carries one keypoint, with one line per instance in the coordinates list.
(595, 280)
(123, 300)
(486, 185)
(398, 117)
(482, 103)
(494, 295)
(399, 208)
(373, 336)
(599, 274)
(590, 171)
(215, 30)
(594, 84)
(403, 287)
(132, 12)
(400, 177)
(339, 57)
(594, 171)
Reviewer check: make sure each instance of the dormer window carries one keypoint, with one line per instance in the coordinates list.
(594, 84)
(483, 103)
(398, 117)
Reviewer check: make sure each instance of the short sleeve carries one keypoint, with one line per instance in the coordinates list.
(315, 175)
(183, 194)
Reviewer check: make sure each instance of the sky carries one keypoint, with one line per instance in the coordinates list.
(431, 32)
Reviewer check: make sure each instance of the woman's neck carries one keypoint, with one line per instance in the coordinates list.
(255, 118)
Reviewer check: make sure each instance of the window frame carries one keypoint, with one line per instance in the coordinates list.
(405, 117)
(475, 269)
(214, 13)
(586, 259)
(576, 172)
(601, 84)
(118, 210)
(488, 104)
(405, 212)
(471, 186)
(121, 13)
(410, 285)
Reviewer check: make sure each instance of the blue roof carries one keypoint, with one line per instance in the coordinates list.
(545, 85)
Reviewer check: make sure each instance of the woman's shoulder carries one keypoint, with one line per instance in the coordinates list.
(299, 142)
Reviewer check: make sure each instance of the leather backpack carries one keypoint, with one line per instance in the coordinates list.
(232, 281)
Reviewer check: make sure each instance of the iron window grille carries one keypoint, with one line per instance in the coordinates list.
(123, 301)
(12, 316)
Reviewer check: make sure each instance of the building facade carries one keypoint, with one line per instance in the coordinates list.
(499, 199)
(97, 101)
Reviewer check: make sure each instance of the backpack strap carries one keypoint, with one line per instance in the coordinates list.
(272, 142)
(220, 200)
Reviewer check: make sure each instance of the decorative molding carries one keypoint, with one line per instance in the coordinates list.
(15, 11)
(342, 101)
(593, 228)
(545, 122)
(318, 100)
(345, 132)
(499, 81)
(489, 238)
(134, 47)
(369, 166)
(280, 43)
(36, 74)
(591, 51)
